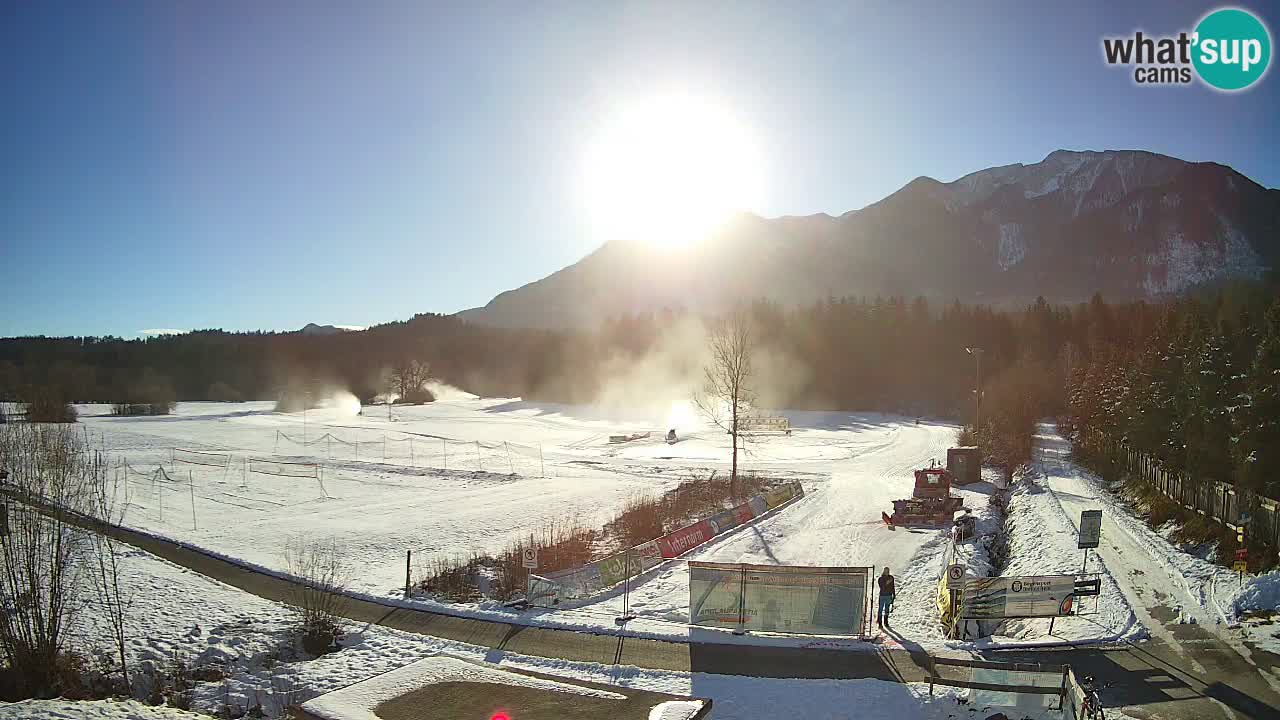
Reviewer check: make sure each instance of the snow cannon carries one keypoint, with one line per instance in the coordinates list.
(931, 503)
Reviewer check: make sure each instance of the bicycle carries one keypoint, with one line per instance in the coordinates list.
(1092, 702)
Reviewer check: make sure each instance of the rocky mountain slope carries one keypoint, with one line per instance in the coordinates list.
(1128, 224)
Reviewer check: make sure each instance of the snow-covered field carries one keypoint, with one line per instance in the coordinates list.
(465, 473)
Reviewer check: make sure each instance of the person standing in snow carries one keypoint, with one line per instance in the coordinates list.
(886, 598)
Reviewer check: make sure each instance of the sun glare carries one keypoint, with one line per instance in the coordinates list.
(669, 171)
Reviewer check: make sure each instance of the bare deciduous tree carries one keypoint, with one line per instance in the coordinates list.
(318, 598)
(727, 392)
(113, 598)
(409, 380)
(44, 558)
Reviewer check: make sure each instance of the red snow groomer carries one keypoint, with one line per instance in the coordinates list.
(931, 503)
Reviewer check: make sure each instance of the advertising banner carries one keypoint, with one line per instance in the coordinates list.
(648, 553)
(723, 521)
(715, 594)
(818, 601)
(685, 539)
(613, 569)
(778, 496)
(775, 598)
(1010, 597)
(551, 588)
(619, 566)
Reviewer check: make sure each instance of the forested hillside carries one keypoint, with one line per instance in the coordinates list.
(1192, 380)
(1195, 382)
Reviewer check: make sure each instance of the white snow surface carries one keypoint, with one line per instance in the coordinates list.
(439, 501)
(1013, 248)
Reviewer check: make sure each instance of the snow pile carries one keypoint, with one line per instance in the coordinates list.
(1260, 594)
(357, 702)
(675, 710)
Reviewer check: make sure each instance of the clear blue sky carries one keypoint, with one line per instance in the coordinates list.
(183, 164)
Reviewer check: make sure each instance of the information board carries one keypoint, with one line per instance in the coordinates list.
(1007, 597)
(779, 598)
(1090, 528)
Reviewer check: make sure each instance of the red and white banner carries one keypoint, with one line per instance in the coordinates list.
(685, 539)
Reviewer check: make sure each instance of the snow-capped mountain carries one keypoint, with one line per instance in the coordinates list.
(1128, 224)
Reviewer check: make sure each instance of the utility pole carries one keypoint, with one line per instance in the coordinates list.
(976, 352)
(305, 396)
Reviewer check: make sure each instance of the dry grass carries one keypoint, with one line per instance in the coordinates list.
(561, 544)
(569, 543)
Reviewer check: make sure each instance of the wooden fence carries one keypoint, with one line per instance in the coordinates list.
(1218, 501)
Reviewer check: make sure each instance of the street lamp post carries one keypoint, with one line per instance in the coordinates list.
(976, 352)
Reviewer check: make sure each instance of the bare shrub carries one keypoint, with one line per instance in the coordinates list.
(48, 404)
(45, 557)
(561, 544)
(223, 392)
(318, 597)
(150, 394)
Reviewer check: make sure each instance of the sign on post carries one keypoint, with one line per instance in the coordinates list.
(529, 558)
(1090, 529)
(1240, 566)
(1088, 588)
(1007, 597)
(955, 577)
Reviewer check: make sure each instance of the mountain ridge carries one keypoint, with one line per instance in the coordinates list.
(1128, 223)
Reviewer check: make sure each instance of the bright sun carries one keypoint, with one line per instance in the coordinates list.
(669, 171)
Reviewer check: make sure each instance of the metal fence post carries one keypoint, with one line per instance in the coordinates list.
(742, 601)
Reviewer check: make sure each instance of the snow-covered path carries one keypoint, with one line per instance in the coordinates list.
(1169, 607)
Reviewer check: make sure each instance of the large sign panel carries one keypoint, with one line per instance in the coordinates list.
(1011, 597)
(1090, 528)
(771, 598)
